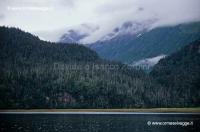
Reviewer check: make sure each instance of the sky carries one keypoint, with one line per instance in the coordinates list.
(39, 16)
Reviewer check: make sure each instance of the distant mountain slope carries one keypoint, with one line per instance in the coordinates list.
(180, 74)
(164, 40)
(39, 74)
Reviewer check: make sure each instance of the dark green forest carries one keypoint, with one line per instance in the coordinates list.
(40, 74)
(179, 73)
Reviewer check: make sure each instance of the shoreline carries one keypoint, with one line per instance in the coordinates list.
(77, 111)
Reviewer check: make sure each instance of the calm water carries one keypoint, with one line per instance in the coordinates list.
(98, 122)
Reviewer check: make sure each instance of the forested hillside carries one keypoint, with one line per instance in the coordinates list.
(180, 74)
(39, 74)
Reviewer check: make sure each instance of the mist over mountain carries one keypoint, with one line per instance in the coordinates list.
(130, 48)
(133, 42)
(72, 34)
(129, 28)
(83, 32)
(72, 37)
(148, 63)
(56, 15)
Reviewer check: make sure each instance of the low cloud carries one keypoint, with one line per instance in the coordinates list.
(107, 14)
(2, 16)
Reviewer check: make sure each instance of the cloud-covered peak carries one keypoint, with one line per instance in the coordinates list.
(52, 15)
(71, 34)
(78, 33)
(127, 28)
